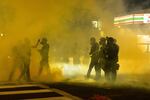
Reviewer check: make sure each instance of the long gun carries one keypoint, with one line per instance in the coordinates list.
(35, 46)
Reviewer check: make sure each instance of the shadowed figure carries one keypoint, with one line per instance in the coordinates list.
(101, 58)
(17, 61)
(26, 52)
(44, 52)
(111, 67)
(94, 56)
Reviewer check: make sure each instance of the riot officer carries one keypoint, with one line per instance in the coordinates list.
(26, 55)
(111, 65)
(44, 52)
(101, 61)
(17, 61)
(94, 56)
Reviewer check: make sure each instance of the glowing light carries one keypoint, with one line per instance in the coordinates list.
(69, 70)
(144, 41)
(1, 34)
(95, 24)
(144, 38)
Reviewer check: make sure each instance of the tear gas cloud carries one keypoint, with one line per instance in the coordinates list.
(67, 25)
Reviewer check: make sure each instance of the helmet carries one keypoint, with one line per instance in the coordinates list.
(92, 39)
(102, 39)
(43, 41)
(111, 40)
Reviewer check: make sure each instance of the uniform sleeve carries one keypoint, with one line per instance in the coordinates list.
(97, 46)
(90, 51)
(117, 49)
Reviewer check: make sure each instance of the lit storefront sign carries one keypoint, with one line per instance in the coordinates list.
(132, 19)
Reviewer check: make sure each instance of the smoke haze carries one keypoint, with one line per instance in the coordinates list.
(68, 27)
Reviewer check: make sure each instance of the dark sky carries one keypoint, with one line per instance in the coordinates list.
(137, 4)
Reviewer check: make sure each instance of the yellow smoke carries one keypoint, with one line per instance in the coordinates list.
(65, 24)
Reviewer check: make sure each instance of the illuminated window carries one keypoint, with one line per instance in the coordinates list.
(144, 42)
